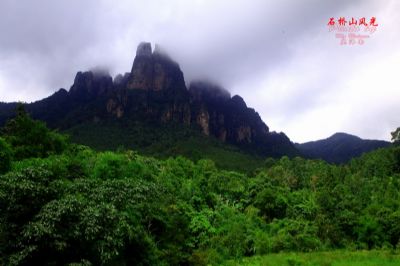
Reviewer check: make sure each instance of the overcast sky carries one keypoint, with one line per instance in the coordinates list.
(278, 55)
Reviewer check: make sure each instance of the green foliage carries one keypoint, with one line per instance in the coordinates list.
(337, 258)
(5, 156)
(272, 202)
(396, 135)
(170, 140)
(22, 195)
(77, 206)
(288, 234)
(30, 138)
(75, 228)
(369, 231)
(110, 165)
(54, 220)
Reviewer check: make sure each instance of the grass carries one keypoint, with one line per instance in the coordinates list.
(332, 258)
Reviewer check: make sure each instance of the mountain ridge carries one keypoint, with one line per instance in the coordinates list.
(153, 95)
(155, 92)
(339, 147)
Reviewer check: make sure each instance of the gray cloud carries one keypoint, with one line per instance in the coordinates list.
(278, 55)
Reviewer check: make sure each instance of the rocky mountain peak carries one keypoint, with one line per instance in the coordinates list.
(155, 71)
(158, 50)
(201, 90)
(90, 85)
(238, 102)
(343, 136)
(144, 49)
(155, 92)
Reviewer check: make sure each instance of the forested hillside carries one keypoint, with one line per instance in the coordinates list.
(66, 204)
(339, 148)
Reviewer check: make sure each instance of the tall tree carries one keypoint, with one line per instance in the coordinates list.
(396, 135)
(31, 138)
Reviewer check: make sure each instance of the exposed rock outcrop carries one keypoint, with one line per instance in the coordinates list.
(89, 85)
(155, 71)
(155, 92)
(229, 119)
(144, 50)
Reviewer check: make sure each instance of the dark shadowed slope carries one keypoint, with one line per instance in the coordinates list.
(339, 148)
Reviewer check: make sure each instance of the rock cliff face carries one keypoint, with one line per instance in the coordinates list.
(226, 118)
(154, 71)
(89, 85)
(155, 91)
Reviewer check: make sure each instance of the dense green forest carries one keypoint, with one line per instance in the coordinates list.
(66, 204)
(162, 142)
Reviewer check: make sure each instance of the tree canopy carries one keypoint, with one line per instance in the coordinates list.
(66, 204)
(396, 135)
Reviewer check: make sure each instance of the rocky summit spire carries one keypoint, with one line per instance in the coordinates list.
(144, 49)
(155, 71)
(90, 85)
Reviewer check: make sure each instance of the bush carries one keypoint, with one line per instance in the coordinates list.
(288, 235)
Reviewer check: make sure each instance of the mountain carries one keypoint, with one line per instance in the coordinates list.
(339, 148)
(133, 109)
